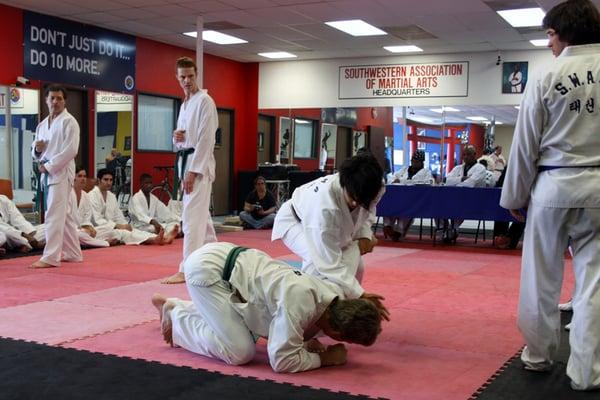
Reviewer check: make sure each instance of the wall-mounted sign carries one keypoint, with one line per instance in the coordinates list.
(57, 50)
(16, 98)
(443, 79)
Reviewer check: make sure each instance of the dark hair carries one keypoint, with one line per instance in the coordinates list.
(259, 177)
(79, 168)
(361, 176)
(55, 88)
(186, 62)
(105, 171)
(357, 320)
(483, 162)
(575, 21)
(145, 176)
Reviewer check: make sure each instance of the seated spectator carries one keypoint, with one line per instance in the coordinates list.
(259, 207)
(148, 213)
(17, 233)
(498, 162)
(112, 158)
(507, 235)
(468, 174)
(396, 228)
(490, 179)
(107, 215)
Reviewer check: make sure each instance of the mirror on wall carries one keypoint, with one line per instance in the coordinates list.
(285, 140)
(19, 115)
(114, 135)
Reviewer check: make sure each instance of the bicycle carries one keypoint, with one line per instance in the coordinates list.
(164, 190)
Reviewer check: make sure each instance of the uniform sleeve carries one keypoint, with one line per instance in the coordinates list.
(112, 207)
(85, 210)
(96, 206)
(207, 126)
(137, 211)
(475, 177)
(16, 219)
(524, 151)
(366, 229)
(454, 177)
(163, 213)
(69, 147)
(285, 344)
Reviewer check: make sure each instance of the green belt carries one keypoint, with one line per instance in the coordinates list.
(183, 155)
(230, 261)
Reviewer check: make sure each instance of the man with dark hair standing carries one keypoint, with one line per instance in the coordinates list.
(554, 172)
(55, 147)
(194, 139)
(327, 222)
(240, 294)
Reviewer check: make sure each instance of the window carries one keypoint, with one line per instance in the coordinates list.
(304, 138)
(157, 117)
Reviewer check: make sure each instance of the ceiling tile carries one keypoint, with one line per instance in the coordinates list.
(206, 6)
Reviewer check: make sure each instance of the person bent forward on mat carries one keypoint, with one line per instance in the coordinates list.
(239, 294)
(327, 222)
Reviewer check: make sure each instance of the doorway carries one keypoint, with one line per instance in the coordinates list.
(343, 146)
(221, 191)
(265, 139)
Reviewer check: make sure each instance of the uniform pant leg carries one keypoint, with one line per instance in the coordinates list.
(71, 250)
(211, 326)
(541, 280)
(197, 224)
(86, 240)
(584, 362)
(2, 239)
(55, 222)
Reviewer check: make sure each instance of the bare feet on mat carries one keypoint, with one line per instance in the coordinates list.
(175, 278)
(113, 242)
(41, 264)
(164, 308)
(158, 239)
(169, 237)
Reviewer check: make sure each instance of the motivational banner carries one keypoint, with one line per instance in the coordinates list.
(443, 79)
(57, 50)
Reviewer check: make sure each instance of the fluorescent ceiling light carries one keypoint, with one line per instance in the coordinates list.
(278, 54)
(217, 37)
(403, 49)
(498, 123)
(301, 121)
(539, 42)
(441, 110)
(477, 118)
(356, 27)
(518, 107)
(523, 17)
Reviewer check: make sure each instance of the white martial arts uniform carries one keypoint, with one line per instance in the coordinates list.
(141, 213)
(198, 118)
(2, 239)
(280, 303)
(13, 224)
(475, 176)
(516, 82)
(107, 214)
(84, 218)
(321, 229)
(62, 137)
(558, 127)
(423, 176)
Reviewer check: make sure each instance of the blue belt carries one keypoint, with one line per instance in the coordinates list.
(542, 168)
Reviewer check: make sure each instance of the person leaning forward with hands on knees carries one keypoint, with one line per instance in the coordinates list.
(241, 294)
(554, 171)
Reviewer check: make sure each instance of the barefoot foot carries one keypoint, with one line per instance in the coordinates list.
(169, 237)
(175, 278)
(41, 264)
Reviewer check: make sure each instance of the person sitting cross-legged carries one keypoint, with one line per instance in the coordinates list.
(107, 215)
(148, 213)
(241, 294)
(259, 206)
(18, 233)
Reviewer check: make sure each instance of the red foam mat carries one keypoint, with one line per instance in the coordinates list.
(453, 314)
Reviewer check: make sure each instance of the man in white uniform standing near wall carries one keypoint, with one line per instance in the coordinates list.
(194, 139)
(55, 147)
(555, 171)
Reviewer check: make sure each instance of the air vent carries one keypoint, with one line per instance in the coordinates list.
(221, 26)
(409, 32)
(498, 5)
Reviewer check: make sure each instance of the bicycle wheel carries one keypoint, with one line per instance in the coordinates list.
(162, 194)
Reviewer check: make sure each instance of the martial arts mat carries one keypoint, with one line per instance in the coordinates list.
(453, 325)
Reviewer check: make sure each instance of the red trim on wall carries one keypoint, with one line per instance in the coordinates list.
(11, 44)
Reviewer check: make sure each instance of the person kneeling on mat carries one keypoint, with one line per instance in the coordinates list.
(241, 294)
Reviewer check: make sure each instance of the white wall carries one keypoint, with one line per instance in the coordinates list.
(314, 83)
(504, 138)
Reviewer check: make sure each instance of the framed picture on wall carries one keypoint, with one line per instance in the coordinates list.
(285, 138)
(359, 141)
(514, 77)
(327, 145)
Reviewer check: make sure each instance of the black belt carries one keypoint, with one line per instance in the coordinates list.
(542, 168)
(183, 155)
(294, 211)
(230, 261)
